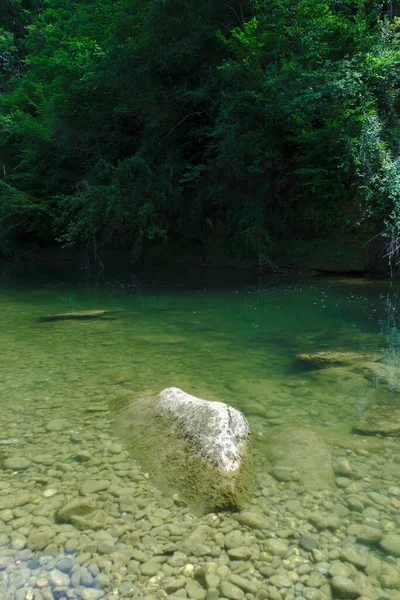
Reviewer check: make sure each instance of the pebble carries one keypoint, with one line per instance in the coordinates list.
(346, 587)
(231, 591)
(243, 584)
(17, 463)
(194, 590)
(93, 486)
(391, 544)
(58, 578)
(252, 520)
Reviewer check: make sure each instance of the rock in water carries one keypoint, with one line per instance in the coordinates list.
(330, 358)
(79, 315)
(303, 450)
(197, 447)
(381, 418)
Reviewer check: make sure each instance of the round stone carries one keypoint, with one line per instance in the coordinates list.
(231, 591)
(17, 464)
(391, 544)
(345, 587)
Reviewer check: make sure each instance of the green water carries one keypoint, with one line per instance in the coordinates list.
(235, 341)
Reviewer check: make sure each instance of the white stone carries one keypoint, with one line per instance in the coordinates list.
(217, 431)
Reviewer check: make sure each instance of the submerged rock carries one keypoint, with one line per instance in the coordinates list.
(205, 450)
(329, 358)
(379, 373)
(381, 419)
(304, 451)
(82, 314)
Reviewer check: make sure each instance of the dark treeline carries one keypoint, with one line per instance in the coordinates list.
(257, 122)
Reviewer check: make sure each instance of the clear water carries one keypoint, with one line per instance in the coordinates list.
(233, 340)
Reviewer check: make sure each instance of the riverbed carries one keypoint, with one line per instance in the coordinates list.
(221, 338)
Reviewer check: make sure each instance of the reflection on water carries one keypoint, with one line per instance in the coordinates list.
(70, 492)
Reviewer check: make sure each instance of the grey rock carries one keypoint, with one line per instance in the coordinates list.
(58, 578)
(175, 584)
(381, 418)
(40, 538)
(194, 590)
(150, 568)
(280, 581)
(345, 587)
(241, 553)
(231, 591)
(58, 425)
(91, 486)
(327, 358)
(252, 520)
(17, 463)
(308, 543)
(91, 594)
(76, 508)
(354, 557)
(244, 584)
(391, 544)
(305, 451)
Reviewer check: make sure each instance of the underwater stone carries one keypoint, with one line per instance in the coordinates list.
(17, 463)
(381, 418)
(79, 315)
(391, 544)
(197, 447)
(328, 358)
(303, 450)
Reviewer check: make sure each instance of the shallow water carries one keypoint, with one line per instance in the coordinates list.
(232, 341)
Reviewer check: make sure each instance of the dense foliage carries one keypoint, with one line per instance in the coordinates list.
(251, 121)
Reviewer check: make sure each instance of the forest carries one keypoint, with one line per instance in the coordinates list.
(247, 125)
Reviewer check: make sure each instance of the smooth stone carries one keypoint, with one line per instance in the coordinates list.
(305, 451)
(277, 547)
(58, 425)
(194, 590)
(58, 578)
(327, 358)
(252, 520)
(76, 508)
(391, 544)
(280, 581)
(234, 539)
(369, 535)
(174, 585)
(14, 500)
(308, 543)
(352, 556)
(65, 565)
(150, 568)
(92, 486)
(231, 591)
(325, 522)
(198, 536)
(91, 594)
(341, 466)
(241, 553)
(244, 584)
(382, 419)
(39, 539)
(346, 587)
(17, 463)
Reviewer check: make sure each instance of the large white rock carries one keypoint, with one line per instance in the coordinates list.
(214, 431)
(197, 447)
